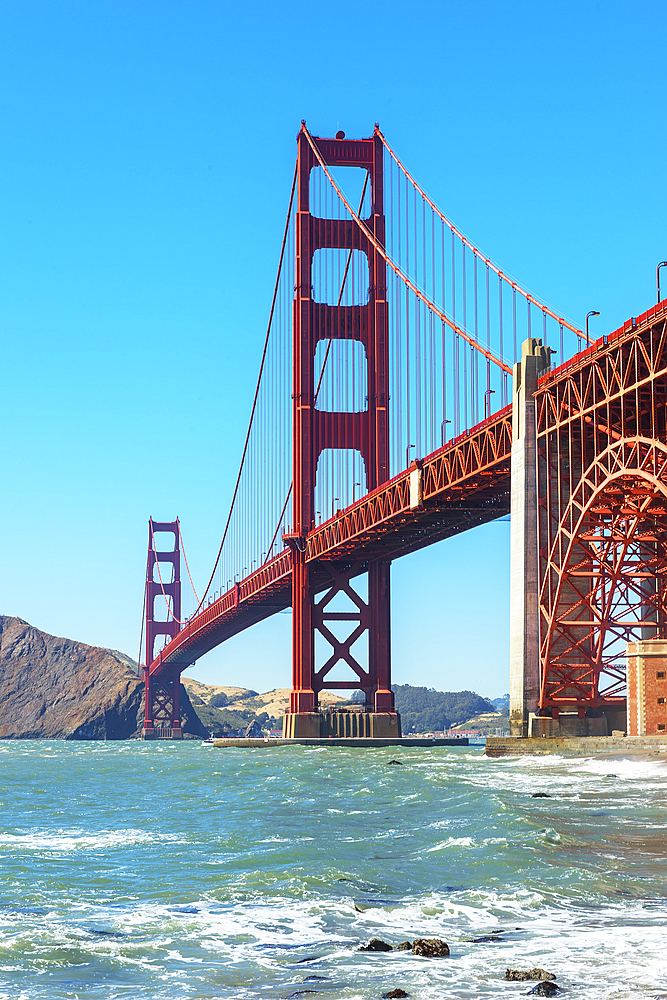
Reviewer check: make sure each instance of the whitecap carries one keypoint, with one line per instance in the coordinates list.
(79, 840)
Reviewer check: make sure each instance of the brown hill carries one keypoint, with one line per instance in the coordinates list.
(208, 691)
(274, 703)
(53, 688)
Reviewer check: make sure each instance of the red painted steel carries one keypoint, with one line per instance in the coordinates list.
(315, 430)
(463, 484)
(264, 593)
(162, 709)
(602, 447)
(602, 480)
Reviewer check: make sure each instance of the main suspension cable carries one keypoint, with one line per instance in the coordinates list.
(185, 559)
(254, 402)
(397, 270)
(464, 239)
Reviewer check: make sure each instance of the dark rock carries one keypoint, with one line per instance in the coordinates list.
(484, 938)
(53, 688)
(544, 989)
(375, 944)
(253, 732)
(540, 795)
(312, 979)
(300, 993)
(518, 976)
(361, 905)
(430, 947)
(395, 994)
(395, 762)
(404, 946)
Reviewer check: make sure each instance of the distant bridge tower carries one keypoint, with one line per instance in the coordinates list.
(314, 430)
(162, 709)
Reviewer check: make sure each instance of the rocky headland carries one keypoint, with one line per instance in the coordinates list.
(54, 688)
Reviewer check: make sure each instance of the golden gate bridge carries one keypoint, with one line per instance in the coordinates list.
(406, 393)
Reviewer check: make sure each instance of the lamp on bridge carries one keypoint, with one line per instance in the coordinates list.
(443, 431)
(487, 401)
(663, 263)
(593, 312)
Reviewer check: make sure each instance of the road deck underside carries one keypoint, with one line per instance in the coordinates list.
(462, 485)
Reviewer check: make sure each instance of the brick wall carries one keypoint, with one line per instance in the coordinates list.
(647, 688)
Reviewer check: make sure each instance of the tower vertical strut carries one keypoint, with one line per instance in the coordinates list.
(364, 431)
(162, 690)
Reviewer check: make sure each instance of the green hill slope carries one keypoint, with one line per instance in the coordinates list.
(424, 710)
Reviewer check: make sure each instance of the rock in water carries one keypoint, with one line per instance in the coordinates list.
(376, 944)
(430, 947)
(544, 989)
(395, 994)
(53, 688)
(518, 976)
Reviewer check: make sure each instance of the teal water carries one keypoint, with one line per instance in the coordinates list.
(138, 870)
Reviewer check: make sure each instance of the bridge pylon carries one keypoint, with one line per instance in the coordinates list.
(524, 570)
(316, 429)
(162, 710)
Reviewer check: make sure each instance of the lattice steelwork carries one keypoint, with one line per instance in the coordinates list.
(386, 364)
(602, 448)
(455, 326)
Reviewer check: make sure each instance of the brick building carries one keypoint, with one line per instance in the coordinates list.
(647, 688)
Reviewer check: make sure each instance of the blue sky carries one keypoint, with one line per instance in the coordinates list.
(147, 153)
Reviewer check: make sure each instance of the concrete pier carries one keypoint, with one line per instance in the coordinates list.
(402, 742)
(352, 722)
(585, 746)
(524, 578)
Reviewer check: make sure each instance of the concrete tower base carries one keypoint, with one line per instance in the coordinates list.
(342, 725)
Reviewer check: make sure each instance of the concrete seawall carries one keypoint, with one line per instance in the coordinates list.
(584, 746)
(220, 744)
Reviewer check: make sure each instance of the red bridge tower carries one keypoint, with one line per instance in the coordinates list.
(162, 709)
(365, 431)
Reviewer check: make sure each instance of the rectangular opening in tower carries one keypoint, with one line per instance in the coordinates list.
(341, 372)
(163, 606)
(340, 277)
(340, 480)
(353, 182)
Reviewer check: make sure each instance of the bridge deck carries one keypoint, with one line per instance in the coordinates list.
(461, 485)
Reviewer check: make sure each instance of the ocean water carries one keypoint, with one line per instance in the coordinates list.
(139, 870)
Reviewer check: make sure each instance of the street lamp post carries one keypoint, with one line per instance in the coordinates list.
(487, 401)
(663, 263)
(592, 312)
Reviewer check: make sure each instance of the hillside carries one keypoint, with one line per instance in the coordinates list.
(223, 694)
(424, 710)
(487, 723)
(228, 710)
(56, 688)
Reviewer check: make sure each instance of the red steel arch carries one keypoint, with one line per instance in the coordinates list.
(603, 583)
(602, 512)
